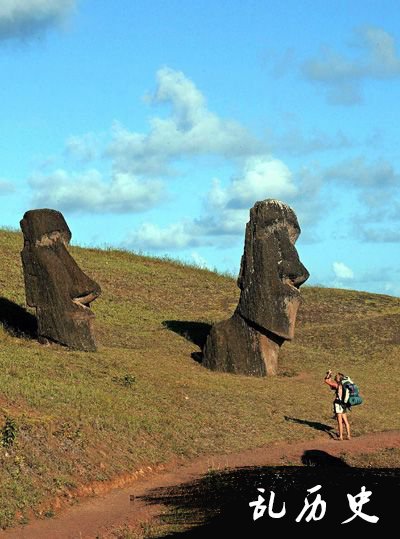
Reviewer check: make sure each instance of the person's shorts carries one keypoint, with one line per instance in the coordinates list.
(338, 408)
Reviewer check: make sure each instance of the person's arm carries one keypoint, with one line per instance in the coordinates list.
(328, 380)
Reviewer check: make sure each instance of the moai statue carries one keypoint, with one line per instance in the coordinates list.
(269, 279)
(55, 284)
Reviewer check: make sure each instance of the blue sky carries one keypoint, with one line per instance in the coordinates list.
(156, 125)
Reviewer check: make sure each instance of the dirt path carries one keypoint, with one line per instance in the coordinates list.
(95, 517)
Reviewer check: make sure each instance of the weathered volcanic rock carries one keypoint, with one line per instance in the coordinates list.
(235, 346)
(55, 284)
(270, 276)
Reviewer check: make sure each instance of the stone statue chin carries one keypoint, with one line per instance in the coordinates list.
(54, 284)
(269, 279)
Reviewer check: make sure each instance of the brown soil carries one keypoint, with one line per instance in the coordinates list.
(95, 517)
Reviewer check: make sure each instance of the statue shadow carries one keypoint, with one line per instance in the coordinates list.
(195, 332)
(219, 501)
(17, 321)
(316, 457)
(313, 424)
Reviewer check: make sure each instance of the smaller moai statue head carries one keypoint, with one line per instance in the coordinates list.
(54, 284)
(271, 272)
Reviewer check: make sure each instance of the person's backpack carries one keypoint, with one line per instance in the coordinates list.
(350, 395)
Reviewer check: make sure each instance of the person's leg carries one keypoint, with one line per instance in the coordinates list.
(346, 422)
(340, 426)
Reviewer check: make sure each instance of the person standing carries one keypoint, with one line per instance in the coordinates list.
(339, 407)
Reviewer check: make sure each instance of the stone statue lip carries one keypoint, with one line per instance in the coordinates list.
(292, 284)
(295, 283)
(85, 301)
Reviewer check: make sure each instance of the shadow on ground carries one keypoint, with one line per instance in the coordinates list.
(195, 332)
(313, 424)
(219, 501)
(16, 320)
(316, 457)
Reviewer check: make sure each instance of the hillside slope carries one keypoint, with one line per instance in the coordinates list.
(74, 417)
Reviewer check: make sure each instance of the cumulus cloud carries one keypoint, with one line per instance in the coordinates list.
(376, 185)
(263, 177)
(342, 271)
(190, 130)
(343, 76)
(221, 222)
(89, 192)
(26, 18)
(151, 237)
(358, 172)
(311, 202)
(136, 158)
(226, 209)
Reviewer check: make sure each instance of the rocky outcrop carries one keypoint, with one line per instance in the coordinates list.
(269, 279)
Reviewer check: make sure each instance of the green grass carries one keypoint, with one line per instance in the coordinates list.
(141, 399)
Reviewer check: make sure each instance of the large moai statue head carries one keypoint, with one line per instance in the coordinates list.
(54, 283)
(271, 272)
(270, 276)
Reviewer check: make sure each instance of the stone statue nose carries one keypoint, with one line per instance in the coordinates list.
(294, 271)
(301, 276)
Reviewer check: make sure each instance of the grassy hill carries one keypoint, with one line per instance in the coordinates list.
(71, 418)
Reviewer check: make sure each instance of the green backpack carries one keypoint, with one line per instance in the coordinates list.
(351, 395)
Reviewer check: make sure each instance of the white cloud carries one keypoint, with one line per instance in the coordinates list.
(377, 187)
(358, 172)
(226, 209)
(89, 192)
(25, 18)
(190, 130)
(151, 237)
(222, 222)
(342, 271)
(263, 177)
(311, 202)
(382, 61)
(343, 76)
